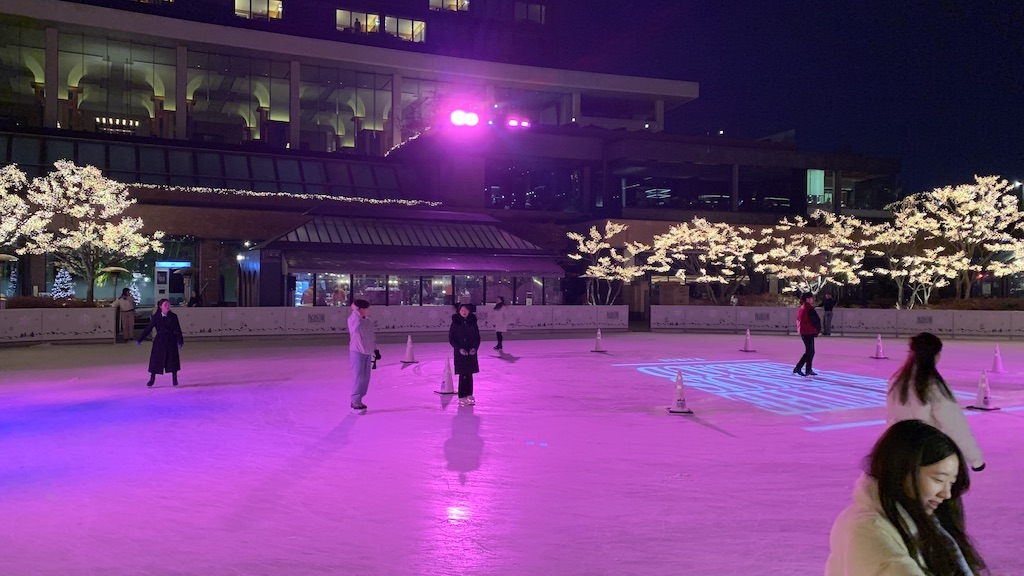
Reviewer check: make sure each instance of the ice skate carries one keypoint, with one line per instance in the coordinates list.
(810, 372)
(359, 408)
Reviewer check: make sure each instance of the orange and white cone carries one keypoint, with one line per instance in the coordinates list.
(879, 353)
(598, 345)
(984, 400)
(410, 357)
(446, 381)
(997, 362)
(679, 401)
(747, 347)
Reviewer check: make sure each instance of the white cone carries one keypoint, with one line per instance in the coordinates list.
(984, 400)
(410, 358)
(879, 353)
(997, 362)
(679, 401)
(446, 380)
(598, 345)
(747, 347)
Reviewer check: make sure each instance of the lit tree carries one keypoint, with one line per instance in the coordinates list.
(12, 283)
(713, 254)
(16, 218)
(808, 259)
(134, 289)
(63, 287)
(933, 268)
(87, 229)
(606, 264)
(975, 222)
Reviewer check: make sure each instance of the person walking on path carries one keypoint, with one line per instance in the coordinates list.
(807, 325)
(125, 306)
(362, 350)
(500, 321)
(464, 336)
(828, 304)
(918, 392)
(907, 515)
(168, 340)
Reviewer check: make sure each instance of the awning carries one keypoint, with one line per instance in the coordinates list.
(298, 262)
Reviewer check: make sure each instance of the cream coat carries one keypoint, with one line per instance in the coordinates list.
(940, 412)
(499, 319)
(864, 543)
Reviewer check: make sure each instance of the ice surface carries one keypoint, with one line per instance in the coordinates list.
(569, 463)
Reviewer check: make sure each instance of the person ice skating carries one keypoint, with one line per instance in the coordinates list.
(500, 321)
(125, 306)
(362, 351)
(807, 325)
(907, 516)
(918, 392)
(168, 340)
(828, 304)
(464, 336)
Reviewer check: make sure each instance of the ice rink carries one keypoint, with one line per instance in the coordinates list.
(568, 464)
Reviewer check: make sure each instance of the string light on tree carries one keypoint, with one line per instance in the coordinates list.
(63, 286)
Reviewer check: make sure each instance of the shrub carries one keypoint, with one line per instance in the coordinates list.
(46, 302)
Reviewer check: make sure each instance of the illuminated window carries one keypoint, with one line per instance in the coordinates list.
(259, 9)
(527, 12)
(452, 5)
(358, 22)
(411, 30)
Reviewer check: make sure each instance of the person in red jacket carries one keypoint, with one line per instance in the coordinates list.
(808, 325)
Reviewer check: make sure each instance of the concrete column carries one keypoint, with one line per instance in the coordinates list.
(207, 282)
(294, 113)
(735, 187)
(489, 97)
(659, 118)
(396, 110)
(575, 106)
(50, 78)
(181, 98)
(837, 192)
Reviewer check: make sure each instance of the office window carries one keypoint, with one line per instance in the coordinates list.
(410, 30)
(358, 22)
(452, 5)
(527, 12)
(259, 9)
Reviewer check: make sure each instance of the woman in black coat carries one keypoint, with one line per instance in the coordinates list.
(166, 343)
(464, 336)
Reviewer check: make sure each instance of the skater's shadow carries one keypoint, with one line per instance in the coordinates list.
(465, 448)
(507, 357)
(706, 424)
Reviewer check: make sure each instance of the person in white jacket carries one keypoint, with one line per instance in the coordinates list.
(907, 516)
(500, 321)
(918, 392)
(362, 351)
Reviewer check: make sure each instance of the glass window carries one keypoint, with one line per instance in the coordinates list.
(181, 161)
(152, 160)
(453, 5)
(362, 176)
(469, 289)
(338, 173)
(372, 288)
(357, 22)
(236, 166)
(529, 291)
(288, 170)
(263, 168)
(259, 9)
(499, 286)
(59, 150)
(411, 30)
(552, 291)
(313, 171)
(403, 290)
(332, 289)
(526, 12)
(437, 290)
(27, 151)
(302, 294)
(209, 164)
(386, 177)
(90, 154)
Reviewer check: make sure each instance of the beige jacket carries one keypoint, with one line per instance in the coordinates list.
(863, 541)
(940, 412)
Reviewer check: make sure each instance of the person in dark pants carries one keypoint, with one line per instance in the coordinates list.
(168, 340)
(500, 322)
(464, 336)
(807, 325)
(828, 304)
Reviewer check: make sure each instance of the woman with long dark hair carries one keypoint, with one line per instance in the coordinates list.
(907, 516)
(807, 325)
(464, 336)
(918, 392)
(168, 340)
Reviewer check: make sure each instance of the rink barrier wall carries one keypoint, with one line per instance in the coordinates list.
(853, 321)
(72, 324)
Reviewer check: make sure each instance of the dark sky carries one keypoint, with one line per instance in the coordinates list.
(938, 85)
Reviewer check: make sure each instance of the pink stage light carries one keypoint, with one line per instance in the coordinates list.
(463, 118)
(513, 122)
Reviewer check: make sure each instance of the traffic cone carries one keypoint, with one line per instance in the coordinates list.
(984, 400)
(879, 354)
(746, 343)
(997, 362)
(598, 345)
(446, 380)
(410, 358)
(679, 402)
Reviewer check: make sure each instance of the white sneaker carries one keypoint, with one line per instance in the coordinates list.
(472, 400)
(464, 401)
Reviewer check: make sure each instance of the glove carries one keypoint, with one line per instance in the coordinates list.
(463, 351)
(472, 351)
(376, 354)
(979, 468)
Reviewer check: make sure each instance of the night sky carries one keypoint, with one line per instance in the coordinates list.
(938, 85)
